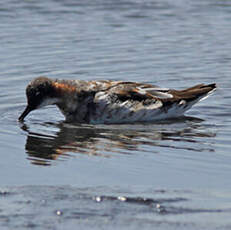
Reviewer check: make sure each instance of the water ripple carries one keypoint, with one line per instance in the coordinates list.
(62, 205)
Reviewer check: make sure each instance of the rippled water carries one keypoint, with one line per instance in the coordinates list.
(65, 207)
(171, 175)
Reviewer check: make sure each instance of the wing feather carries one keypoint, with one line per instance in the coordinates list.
(140, 92)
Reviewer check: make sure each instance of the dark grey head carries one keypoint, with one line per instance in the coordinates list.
(39, 92)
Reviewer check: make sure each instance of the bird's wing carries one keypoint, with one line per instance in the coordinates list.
(138, 91)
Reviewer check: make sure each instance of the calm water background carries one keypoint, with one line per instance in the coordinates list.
(173, 175)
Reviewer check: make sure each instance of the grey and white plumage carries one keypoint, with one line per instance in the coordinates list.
(107, 102)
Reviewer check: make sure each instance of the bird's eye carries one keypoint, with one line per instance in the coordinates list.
(37, 93)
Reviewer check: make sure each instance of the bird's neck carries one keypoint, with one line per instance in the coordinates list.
(73, 101)
(62, 88)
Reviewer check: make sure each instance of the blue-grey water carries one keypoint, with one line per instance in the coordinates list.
(171, 175)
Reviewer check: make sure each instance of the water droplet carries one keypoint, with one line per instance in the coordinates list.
(122, 198)
(158, 206)
(98, 199)
(59, 213)
(160, 209)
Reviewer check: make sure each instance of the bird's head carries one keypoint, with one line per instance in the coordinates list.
(40, 92)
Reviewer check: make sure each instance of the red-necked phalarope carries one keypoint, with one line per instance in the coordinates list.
(97, 102)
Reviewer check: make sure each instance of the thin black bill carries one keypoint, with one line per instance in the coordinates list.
(25, 113)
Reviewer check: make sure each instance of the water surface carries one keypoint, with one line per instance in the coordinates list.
(171, 175)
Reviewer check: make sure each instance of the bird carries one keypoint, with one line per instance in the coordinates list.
(112, 102)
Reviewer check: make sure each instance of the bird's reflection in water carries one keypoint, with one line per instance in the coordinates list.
(105, 140)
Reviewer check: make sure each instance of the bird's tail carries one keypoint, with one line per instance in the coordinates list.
(185, 99)
(197, 92)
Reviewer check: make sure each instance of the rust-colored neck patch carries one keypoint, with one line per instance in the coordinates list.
(62, 87)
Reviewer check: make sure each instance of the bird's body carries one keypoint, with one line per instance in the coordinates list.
(112, 101)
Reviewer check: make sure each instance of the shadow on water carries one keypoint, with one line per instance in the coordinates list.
(43, 146)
